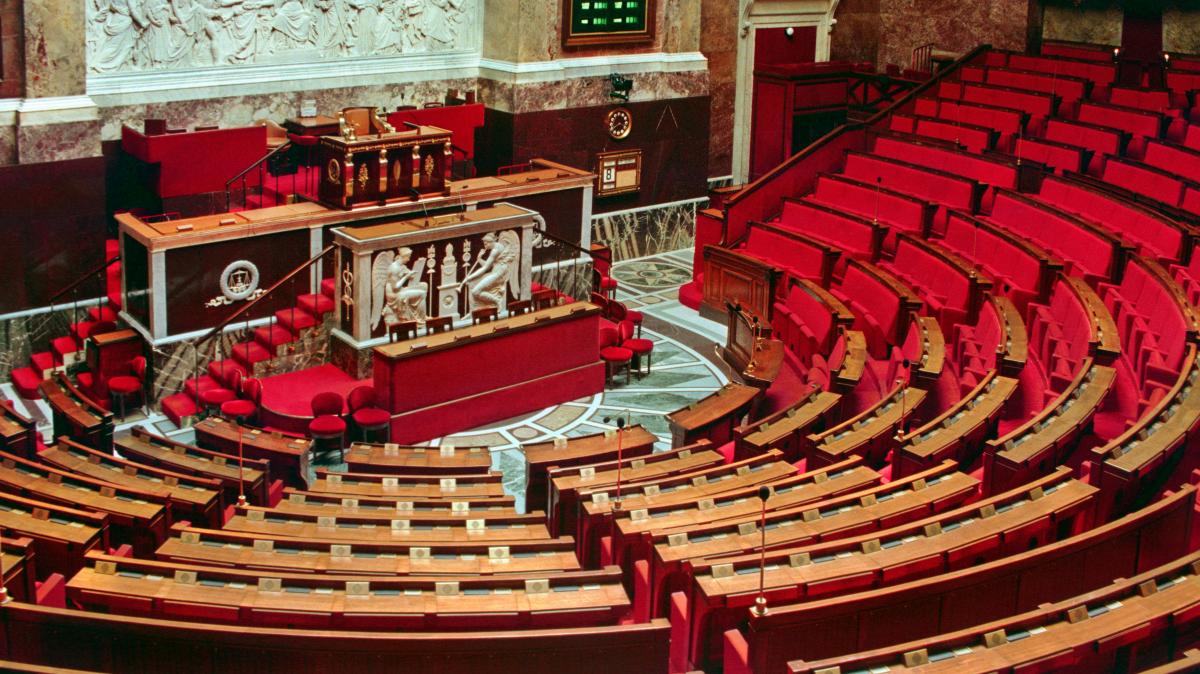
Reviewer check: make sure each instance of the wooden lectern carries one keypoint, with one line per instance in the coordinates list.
(370, 162)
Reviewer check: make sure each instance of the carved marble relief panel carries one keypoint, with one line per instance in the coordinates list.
(139, 35)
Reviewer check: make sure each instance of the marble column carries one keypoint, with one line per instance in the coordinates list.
(56, 120)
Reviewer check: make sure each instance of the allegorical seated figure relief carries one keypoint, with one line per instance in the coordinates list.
(499, 271)
(398, 294)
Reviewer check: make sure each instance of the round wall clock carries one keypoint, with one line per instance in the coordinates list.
(619, 122)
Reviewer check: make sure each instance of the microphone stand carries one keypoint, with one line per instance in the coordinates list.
(760, 602)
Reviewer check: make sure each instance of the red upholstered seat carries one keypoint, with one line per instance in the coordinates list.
(238, 409)
(303, 141)
(326, 425)
(215, 397)
(124, 384)
(638, 347)
(363, 410)
(614, 355)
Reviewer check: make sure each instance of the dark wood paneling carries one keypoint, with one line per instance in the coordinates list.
(53, 222)
(12, 48)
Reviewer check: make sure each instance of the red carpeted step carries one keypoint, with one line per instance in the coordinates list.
(193, 385)
(178, 406)
(111, 248)
(61, 346)
(25, 380)
(221, 370)
(114, 299)
(271, 336)
(328, 287)
(295, 319)
(249, 353)
(101, 312)
(85, 380)
(316, 305)
(43, 362)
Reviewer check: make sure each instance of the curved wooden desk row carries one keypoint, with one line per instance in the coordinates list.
(381, 485)
(197, 498)
(857, 513)
(288, 456)
(139, 518)
(253, 598)
(1098, 631)
(353, 510)
(567, 484)
(334, 504)
(61, 535)
(786, 429)
(916, 609)
(713, 417)
(251, 475)
(332, 556)
(391, 458)
(76, 415)
(399, 528)
(130, 644)
(634, 441)
(18, 433)
(724, 588)
(869, 433)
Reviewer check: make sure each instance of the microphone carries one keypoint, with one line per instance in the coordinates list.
(760, 602)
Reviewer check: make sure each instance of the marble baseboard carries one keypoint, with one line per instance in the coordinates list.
(358, 363)
(650, 231)
(57, 142)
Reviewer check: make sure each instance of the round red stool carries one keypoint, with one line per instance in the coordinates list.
(123, 386)
(328, 429)
(372, 421)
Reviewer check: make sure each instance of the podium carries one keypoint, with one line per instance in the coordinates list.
(370, 162)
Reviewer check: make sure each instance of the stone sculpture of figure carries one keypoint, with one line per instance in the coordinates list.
(364, 27)
(292, 24)
(331, 27)
(489, 282)
(438, 20)
(397, 294)
(160, 38)
(118, 34)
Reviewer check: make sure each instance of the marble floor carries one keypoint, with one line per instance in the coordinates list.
(684, 368)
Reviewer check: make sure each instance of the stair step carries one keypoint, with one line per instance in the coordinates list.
(193, 385)
(178, 406)
(64, 348)
(114, 299)
(85, 380)
(328, 287)
(317, 305)
(295, 319)
(111, 248)
(249, 353)
(221, 370)
(271, 337)
(25, 380)
(81, 330)
(102, 312)
(43, 362)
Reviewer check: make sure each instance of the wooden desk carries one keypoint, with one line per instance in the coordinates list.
(188, 495)
(109, 355)
(874, 509)
(390, 486)
(958, 432)
(61, 535)
(288, 456)
(156, 450)
(20, 570)
(1013, 350)
(786, 429)
(868, 433)
(76, 415)
(963, 536)
(854, 362)
(566, 484)
(123, 585)
(390, 458)
(319, 125)
(930, 357)
(18, 433)
(633, 441)
(1105, 340)
(139, 518)
(713, 417)
(330, 556)
(455, 512)
(399, 529)
(440, 505)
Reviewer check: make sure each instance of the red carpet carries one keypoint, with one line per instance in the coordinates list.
(287, 398)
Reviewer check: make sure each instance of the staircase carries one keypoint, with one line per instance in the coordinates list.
(67, 349)
(250, 358)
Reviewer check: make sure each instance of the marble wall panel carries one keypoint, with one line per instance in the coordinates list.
(8, 145)
(634, 234)
(55, 60)
(21, 337)
(1099, 22)
(719, 43)
(56, 142)
(855, 37)
(1181, 30)
(950, 25)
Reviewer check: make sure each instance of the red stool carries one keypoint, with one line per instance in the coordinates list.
(328, 429)
(123, 386)
(619, 312)
(608, 287)
(243, 409)
(366, 415)
(613, 354)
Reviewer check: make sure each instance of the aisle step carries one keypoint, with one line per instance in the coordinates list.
(43, 363)
(26, 380)
(317, 305)
(249, 353)
(295, 319)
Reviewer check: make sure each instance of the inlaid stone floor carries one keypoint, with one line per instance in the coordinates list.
(684, 368)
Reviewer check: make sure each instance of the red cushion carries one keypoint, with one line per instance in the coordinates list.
(608, 283)
(238, 408)
(616, 354)
(635, 316)
(124, 384)
(326, 425)
(638, 346)
(216, 396)
(371, 416)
